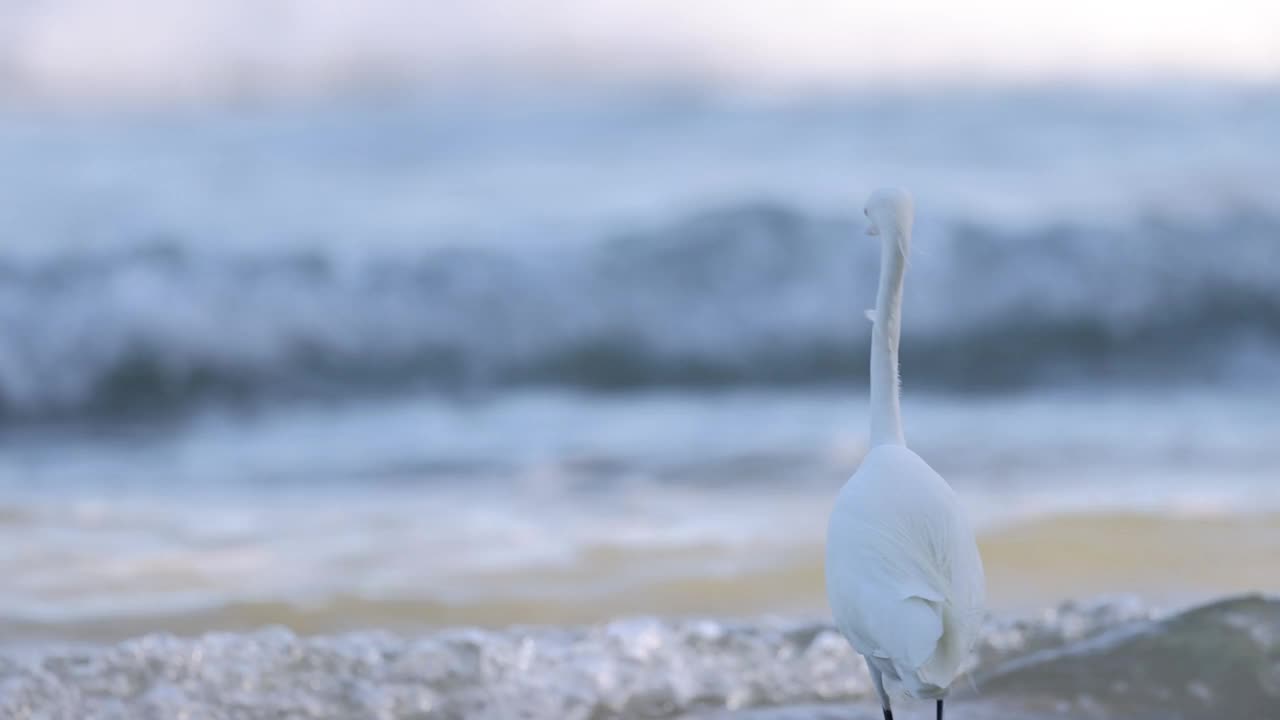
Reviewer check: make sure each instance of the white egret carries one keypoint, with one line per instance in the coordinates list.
(904, 577)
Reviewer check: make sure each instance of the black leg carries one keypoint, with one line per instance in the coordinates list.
(878, 680)
(939, 709)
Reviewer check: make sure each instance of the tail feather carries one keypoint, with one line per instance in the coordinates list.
(942, 668)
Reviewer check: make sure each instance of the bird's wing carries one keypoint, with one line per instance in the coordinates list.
(891, 606)
(908, 632)
(908, 616)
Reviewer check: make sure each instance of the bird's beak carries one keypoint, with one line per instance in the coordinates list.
(873, 230)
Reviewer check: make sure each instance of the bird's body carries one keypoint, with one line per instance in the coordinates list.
(904, 577)
(903, 573)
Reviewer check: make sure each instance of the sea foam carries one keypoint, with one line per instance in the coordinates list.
(1111, 658)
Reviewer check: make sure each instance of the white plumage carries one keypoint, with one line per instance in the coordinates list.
(904, 577)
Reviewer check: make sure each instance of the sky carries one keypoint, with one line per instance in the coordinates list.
(195, 49)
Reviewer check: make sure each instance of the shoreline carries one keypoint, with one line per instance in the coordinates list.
(1031, 565)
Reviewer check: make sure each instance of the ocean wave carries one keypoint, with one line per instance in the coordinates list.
(755, 294)
(1207, 662)
(1103, 659)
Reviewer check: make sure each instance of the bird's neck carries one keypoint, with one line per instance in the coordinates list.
(886, 415)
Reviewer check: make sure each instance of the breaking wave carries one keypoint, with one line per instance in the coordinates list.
(757, 294)
(1103, 659)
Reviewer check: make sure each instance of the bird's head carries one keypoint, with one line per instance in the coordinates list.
(890, 212)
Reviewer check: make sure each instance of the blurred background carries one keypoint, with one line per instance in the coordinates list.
(410, 315)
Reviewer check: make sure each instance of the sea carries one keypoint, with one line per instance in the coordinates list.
(535, 406)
